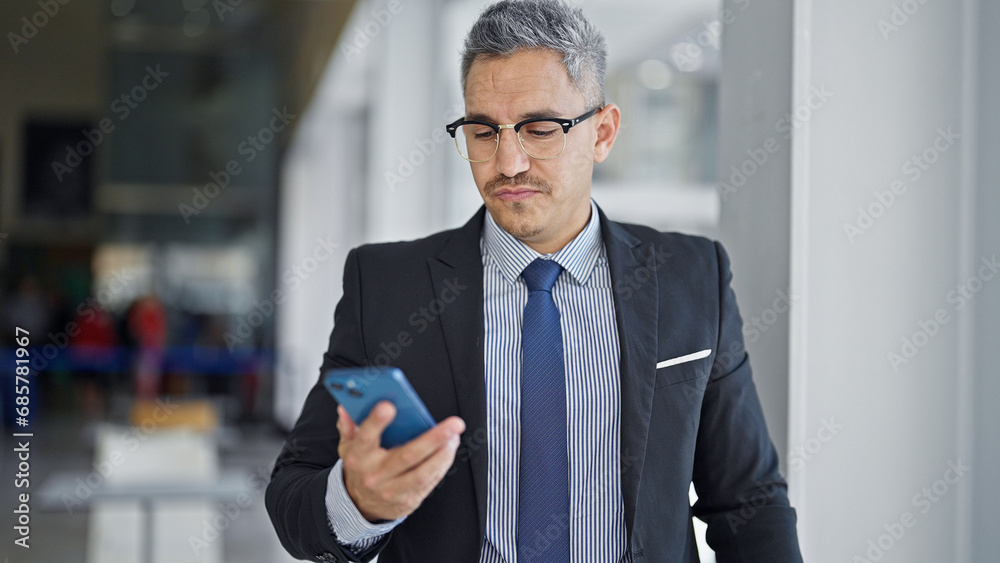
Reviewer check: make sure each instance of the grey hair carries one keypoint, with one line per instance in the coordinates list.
(507, 26)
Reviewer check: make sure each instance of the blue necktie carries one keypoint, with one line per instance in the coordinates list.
(543, 489)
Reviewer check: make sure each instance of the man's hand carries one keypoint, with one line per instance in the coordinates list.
(389, 484)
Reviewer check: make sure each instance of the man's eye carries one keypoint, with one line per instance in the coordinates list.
(542, 132)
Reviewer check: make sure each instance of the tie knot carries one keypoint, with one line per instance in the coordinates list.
(541, 274)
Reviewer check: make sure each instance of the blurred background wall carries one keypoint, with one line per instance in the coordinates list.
(180, 181)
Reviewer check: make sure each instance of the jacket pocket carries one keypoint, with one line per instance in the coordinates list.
(672, 375)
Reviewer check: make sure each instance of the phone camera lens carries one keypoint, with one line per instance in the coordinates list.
(354, 392)
(337, 386)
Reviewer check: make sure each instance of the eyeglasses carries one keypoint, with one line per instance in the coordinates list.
(540, 138)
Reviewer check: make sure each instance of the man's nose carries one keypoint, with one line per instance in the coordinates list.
(511, 158)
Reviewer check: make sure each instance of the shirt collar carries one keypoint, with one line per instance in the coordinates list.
(579, 257)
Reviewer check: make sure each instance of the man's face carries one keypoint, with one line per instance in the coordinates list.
(545, 203)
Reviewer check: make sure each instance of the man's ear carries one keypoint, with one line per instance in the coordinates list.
(608, 121)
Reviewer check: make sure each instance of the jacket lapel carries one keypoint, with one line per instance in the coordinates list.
(460, 263)
(635, 290)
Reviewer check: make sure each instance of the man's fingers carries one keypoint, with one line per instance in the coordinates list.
(408, 490)
(453, 423)
(424, 477)
(415, 452)
(389, 484)
(370, 431)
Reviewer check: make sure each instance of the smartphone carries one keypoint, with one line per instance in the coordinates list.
(360, 389)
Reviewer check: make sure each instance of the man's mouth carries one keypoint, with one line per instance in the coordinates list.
(514, 193)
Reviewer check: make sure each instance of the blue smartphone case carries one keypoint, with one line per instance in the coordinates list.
(360, 389)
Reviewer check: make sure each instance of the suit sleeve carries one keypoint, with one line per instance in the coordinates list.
(741, 495)
(296, 495)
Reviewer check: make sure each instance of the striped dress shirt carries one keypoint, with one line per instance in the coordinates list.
(582, 294)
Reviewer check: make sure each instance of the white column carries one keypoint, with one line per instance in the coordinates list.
(343, 183)
(406, 129)
(322, 191)
(880, 239)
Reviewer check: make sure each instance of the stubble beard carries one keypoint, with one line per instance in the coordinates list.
(520, 226)
(518, 222)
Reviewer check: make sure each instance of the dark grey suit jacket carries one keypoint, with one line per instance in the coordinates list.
(419, 306)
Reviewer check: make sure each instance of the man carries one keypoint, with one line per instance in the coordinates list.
(584, 372)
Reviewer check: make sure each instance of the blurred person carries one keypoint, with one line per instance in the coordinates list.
(93, 351)
(147, 324)
(593, 369)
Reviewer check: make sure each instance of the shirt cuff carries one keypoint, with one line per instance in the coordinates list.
(346, 522)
